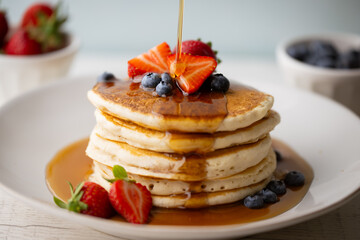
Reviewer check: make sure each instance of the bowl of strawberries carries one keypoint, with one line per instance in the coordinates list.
(35, 51)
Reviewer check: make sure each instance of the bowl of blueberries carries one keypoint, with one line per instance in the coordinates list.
(328, 64)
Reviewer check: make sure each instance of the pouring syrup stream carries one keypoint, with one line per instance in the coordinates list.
(178, 67)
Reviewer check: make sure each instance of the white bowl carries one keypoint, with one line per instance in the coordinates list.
(342, 85)
(21, 73)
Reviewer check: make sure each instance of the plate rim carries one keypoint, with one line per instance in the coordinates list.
(223, 230)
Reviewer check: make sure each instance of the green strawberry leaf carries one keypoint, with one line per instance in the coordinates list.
(73, 204)
(120, 174)
(59, 202)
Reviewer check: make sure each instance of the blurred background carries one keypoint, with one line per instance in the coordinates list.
(245, 33)
(246, 27)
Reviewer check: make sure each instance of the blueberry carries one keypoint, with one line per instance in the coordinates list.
(106, 77)
(277, 187)
(325, 62)
(294, 178)
(164, 89)
(299, 51)
(254, 202)
(219, 83)
(151, 80)
(268, 196)
(165, 77)
(323, 49)
(278, 155)
(349, 60)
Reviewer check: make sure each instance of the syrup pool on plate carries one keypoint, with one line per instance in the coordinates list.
(71, 164)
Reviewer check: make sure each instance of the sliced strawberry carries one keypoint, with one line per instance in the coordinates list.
(195, 72)
(133, 71)
(155, 60)
(131, 200)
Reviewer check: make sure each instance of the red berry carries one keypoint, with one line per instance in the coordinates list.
(97, 199)
(132, 200)
(197, 69)
(4, 27)
(94, 200)
(20, 43)
(197, 48)
(155, 60)
(32, 14)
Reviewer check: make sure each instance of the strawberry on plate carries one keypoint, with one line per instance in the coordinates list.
(88, 198)
(131, 200)
(21, 43)
(35, 12)
(198, 48)
(4, 27)
(155, 60)
(194, 70)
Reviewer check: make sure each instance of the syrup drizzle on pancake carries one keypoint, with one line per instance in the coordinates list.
(203, 105)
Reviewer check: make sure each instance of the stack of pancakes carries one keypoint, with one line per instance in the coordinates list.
(191, 151)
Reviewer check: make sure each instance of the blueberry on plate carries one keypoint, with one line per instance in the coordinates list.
(151, 80)
(277, 187)
(164, 89)
(254, 202)
(294, 178)
(268, 196)
(219, 83)
(106, 77)
(165, 77)
(298, 51)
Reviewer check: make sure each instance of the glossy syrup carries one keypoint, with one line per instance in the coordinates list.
(71, 164)
(209, 108)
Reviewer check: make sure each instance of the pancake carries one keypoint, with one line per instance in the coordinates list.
(116, 129)
(199, 200)
(159, 186)
(216, 164)
(204, 111)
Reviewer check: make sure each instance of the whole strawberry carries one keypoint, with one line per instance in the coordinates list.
(88, 198)
(34, 13)
(131, 200)
(4, 27)
(198, 48)
(44, 24)
(21, 43)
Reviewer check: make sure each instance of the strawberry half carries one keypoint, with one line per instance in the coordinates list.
(88, 198)
(132, 200)
(155, 60)
(196, 69)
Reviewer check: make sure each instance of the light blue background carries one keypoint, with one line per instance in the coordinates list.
(245, 27)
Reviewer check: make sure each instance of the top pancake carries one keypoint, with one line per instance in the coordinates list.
(203, 111)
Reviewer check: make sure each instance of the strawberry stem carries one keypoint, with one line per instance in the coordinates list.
(74, 204)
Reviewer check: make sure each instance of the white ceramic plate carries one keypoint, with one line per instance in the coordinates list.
(35, 126)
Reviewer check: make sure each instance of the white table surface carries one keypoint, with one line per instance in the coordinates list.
(19, 221)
